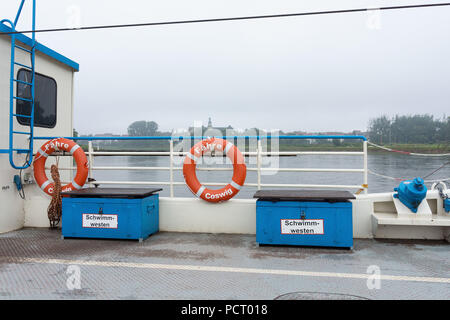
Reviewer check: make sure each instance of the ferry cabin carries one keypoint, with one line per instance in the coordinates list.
(53, 117)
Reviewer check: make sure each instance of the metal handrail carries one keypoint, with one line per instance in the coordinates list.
(259, 153)
(284, 137)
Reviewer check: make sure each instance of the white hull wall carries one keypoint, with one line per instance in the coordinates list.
(235, 216)
(12, 212)
(239, 216)
(195, 215)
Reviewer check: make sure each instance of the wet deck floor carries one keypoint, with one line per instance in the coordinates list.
(37, 264)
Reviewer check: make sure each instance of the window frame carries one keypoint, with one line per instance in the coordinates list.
(19, 119)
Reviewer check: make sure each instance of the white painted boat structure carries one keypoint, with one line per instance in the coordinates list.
(374, 215)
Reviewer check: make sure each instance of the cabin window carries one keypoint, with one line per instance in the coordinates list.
(45, 99)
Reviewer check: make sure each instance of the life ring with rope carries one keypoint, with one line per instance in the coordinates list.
(60, 144)
(239, 170)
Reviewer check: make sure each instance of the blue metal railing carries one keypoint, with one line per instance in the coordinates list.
(12, 97)
(93, 138)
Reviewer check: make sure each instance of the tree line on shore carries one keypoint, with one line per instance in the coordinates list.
(409, 129)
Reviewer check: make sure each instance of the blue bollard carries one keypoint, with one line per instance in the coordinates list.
(411, 193)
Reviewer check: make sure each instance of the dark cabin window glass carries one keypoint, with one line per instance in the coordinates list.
(45, 100)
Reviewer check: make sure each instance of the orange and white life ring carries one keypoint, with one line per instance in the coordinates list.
(239, 170)
(48, 148)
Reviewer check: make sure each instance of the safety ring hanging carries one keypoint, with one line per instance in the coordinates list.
(239, 170)
(60, 144)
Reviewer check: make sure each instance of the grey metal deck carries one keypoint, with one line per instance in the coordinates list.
(37, 264)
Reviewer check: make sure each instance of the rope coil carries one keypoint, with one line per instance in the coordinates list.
(410, 153)
(54, 210)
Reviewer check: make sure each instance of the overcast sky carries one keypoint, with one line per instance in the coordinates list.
(315, 73)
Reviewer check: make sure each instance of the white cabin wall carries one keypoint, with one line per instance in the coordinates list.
(38, 201)
(11, 213)
(14, 215)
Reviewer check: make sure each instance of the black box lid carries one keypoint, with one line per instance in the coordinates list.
(304, 195)
(128, 193)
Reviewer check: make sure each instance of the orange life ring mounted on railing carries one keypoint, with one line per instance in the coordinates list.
(239, 173)
(64, 145)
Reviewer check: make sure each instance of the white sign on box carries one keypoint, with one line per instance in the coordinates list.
(302, 226)
(102, 221)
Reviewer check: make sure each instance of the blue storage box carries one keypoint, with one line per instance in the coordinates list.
(304, 217)
(115, 213)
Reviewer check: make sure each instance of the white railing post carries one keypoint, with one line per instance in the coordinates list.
(258, 163)
(91, 159)
(171, 168)
(365, 168)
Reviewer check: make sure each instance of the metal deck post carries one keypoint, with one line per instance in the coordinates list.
(365, 182)
(258, 163)
(171, 168)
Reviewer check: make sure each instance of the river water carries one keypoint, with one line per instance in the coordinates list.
(389, 164)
